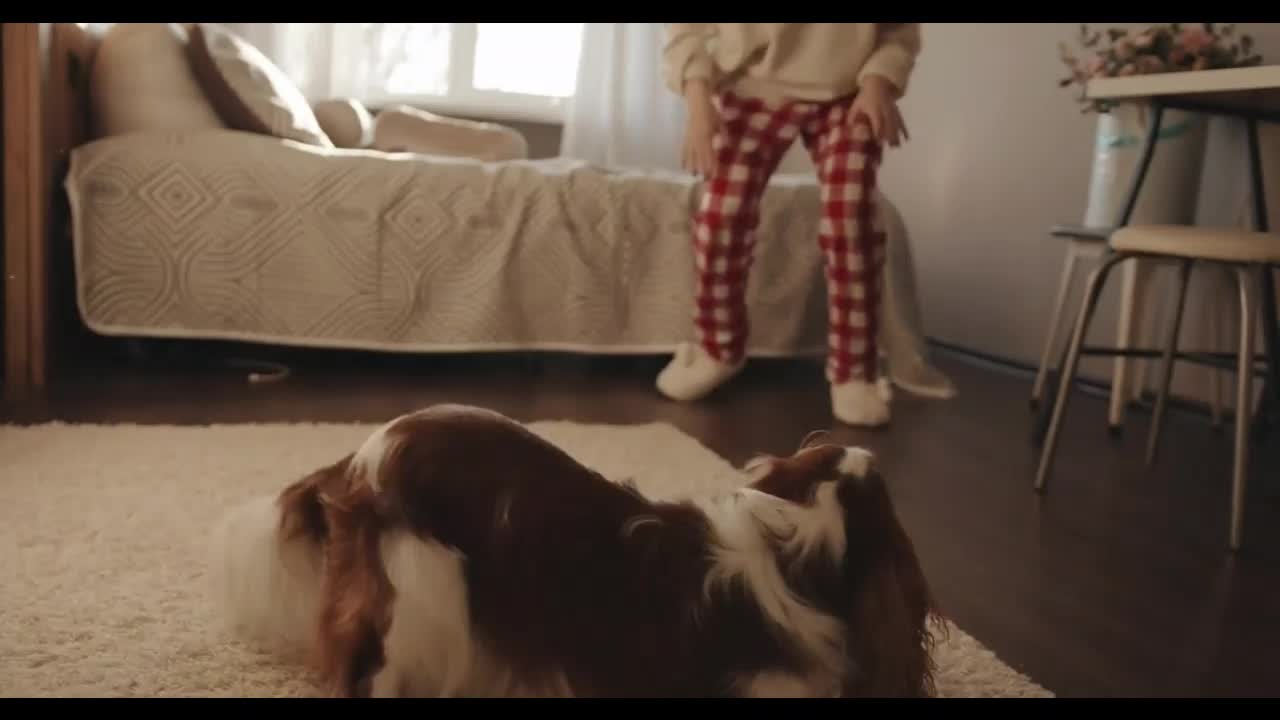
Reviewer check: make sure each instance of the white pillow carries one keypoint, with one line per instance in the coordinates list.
(404, 128)
(141, 81)
(250, 92)
(346, 121)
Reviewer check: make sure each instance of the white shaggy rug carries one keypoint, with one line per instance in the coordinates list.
(102, 573)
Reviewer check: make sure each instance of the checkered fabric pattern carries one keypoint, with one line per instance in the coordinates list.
(752, 139)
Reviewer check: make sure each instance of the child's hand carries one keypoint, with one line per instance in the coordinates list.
(878, 100)
(698, 157)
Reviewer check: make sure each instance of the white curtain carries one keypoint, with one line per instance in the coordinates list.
(622, 115)
(338, 60)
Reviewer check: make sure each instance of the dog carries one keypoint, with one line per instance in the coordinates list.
(457, 553)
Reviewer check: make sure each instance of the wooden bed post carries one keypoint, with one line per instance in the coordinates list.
(46, 115)
(26, 212)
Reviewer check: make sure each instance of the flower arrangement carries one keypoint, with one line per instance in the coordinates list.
(1155, 49)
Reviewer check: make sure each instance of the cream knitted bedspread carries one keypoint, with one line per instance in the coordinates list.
(229, 235)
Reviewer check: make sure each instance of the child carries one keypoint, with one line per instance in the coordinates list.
(751, 90)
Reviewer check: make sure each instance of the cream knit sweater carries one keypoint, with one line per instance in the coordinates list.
(789, 61)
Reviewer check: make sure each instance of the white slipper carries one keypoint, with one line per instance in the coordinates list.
(861, 403)
(693, 373)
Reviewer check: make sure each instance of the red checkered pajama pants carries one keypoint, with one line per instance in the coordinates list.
(752, 139)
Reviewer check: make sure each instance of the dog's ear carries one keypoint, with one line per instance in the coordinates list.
(891, 616)
(302, 502)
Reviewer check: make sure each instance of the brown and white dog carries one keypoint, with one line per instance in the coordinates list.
(457, 553)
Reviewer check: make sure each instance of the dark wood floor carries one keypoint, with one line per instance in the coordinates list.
(1116, 583)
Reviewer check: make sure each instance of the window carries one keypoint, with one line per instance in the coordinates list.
(516, 71)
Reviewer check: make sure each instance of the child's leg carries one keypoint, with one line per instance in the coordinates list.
(853, 243)
(751, 142)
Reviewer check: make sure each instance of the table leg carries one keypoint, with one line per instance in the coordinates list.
(1144, 164)
(1134, 286)
(1269, 403)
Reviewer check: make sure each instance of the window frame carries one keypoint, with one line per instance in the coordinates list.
(464, 99)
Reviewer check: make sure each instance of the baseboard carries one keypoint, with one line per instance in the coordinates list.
(1096, 388)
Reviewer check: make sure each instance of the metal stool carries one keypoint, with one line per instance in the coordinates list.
(1250, 254)
(1090, 243)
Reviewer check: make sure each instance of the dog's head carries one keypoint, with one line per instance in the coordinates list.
(869, 575)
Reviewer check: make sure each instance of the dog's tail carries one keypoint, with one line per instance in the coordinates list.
(268, 565)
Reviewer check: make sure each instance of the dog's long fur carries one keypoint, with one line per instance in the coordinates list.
(458, 553)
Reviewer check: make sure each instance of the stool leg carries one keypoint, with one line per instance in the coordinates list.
(1221, 341)
(1091, 294)
(1055, 323)
(1244, 402)
(1166, 368)
(1267, 288)
(1271, 338)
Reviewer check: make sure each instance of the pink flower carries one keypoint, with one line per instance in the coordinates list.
(1178, 56)
(1127, 69)
(1096, 65)
(1143, 39)
(1195, 39)
(1123, 49)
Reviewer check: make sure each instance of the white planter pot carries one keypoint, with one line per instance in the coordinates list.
(1172, 185)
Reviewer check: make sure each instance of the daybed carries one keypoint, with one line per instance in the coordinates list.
(269, 237)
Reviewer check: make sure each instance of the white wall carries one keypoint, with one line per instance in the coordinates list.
(998, 154)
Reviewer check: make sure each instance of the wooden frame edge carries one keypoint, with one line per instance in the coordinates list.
(26, 211)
